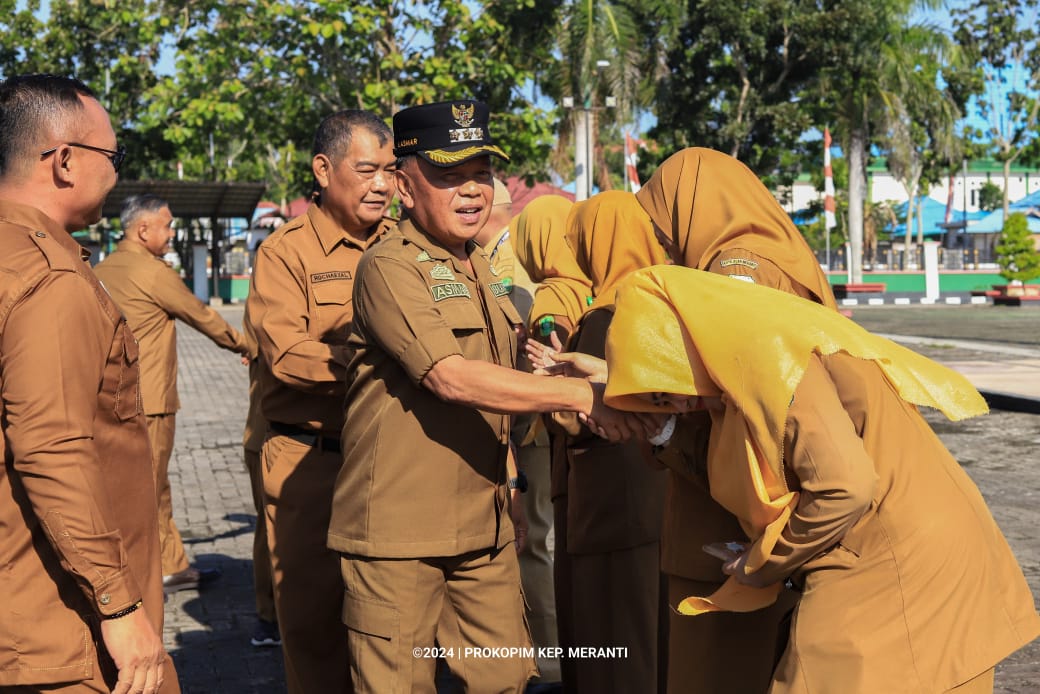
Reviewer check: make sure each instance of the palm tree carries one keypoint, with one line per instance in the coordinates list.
(609, 48)
(859, 73)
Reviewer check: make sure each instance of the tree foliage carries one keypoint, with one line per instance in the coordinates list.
(1016, 250)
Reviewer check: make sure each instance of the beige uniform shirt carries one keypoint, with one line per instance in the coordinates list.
(422, 477)
(300, 308)
(78, 533)
(151, 295)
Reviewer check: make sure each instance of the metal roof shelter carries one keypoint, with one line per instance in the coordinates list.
(212, 200)
(192, 199)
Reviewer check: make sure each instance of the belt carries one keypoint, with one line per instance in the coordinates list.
(327, 444)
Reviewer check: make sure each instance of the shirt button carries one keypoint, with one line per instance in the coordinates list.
(105, 599)
(41, 235)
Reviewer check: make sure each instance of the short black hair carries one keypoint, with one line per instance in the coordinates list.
(32, 108)
(334, 132)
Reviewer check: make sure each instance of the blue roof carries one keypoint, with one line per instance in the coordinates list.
(933, 213)
(993, 222)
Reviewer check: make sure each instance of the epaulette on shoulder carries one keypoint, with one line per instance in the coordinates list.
(58, 257)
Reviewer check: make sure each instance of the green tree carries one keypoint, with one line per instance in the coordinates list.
(735, 81)
(1016, 250)
(1001, 35)
(916, 130)
(991, 196)
(860, 43)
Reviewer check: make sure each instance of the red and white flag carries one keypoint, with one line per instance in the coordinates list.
(828, 183)
(631, 159)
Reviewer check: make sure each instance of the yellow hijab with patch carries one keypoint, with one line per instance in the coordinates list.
(614, 239)
(539, 236)
(709, 202)
(688, 332)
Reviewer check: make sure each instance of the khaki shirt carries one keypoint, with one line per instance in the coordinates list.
(422, 477)
(300, 309)
(78, 532)
(151, 295)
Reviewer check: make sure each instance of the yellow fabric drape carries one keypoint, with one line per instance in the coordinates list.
(539, 237)
(689, 332)
(709, 202)
(614, 238)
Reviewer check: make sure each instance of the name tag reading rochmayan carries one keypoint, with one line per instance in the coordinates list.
(449, 290)
(331, 275)
(739, 261)
(499, 288)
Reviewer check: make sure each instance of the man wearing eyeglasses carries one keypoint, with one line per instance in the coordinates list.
(152, 296)
(81, 585)
(300, 309)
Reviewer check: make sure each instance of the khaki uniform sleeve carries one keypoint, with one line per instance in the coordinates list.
(175, 298)
(394, 307)
(687, 451)
(279, 316)
(837, 478)
(52, 357)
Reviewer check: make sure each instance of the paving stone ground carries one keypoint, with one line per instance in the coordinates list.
(208, 632)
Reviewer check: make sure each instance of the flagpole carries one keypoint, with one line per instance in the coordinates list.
(829, 207)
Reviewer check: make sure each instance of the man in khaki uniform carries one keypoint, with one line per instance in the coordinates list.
(299, 307)
(421, 512)
(151, 295)
(82, 590)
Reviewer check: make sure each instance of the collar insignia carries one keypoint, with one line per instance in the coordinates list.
(423, 257)
(442, 272)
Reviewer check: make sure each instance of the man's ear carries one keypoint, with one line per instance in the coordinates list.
(404, 189)
(62, 167)
(321, 166)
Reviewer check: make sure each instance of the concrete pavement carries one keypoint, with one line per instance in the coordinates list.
(208, 633)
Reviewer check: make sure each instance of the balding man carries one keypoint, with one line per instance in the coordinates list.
(82, 589)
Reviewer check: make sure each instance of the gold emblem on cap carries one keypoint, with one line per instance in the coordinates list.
(463, 114)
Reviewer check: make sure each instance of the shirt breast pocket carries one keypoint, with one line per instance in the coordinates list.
(128, 391)
(464, 318)
(334, 310)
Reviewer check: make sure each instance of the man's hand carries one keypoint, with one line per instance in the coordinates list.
(615, 425)
(137, 651)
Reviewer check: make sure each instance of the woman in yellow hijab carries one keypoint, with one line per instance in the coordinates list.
(712, 213)
(818, 449)
(613, 500)
(539, 236)
(715, 214)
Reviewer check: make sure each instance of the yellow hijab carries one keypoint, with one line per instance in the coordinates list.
(688, 332)
(710, 202)
(614, 239)
(539, 236)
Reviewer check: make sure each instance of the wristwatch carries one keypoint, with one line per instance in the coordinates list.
(518, 482)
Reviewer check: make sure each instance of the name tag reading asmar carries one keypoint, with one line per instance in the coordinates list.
(449, 290)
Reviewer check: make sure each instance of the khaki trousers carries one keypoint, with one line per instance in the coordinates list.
(395, 609)
(724, 651)
(536, 564)
(263, 583)
(308, 591)
(161, 430)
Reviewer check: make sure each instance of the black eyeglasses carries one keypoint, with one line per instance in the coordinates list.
(116, 156)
